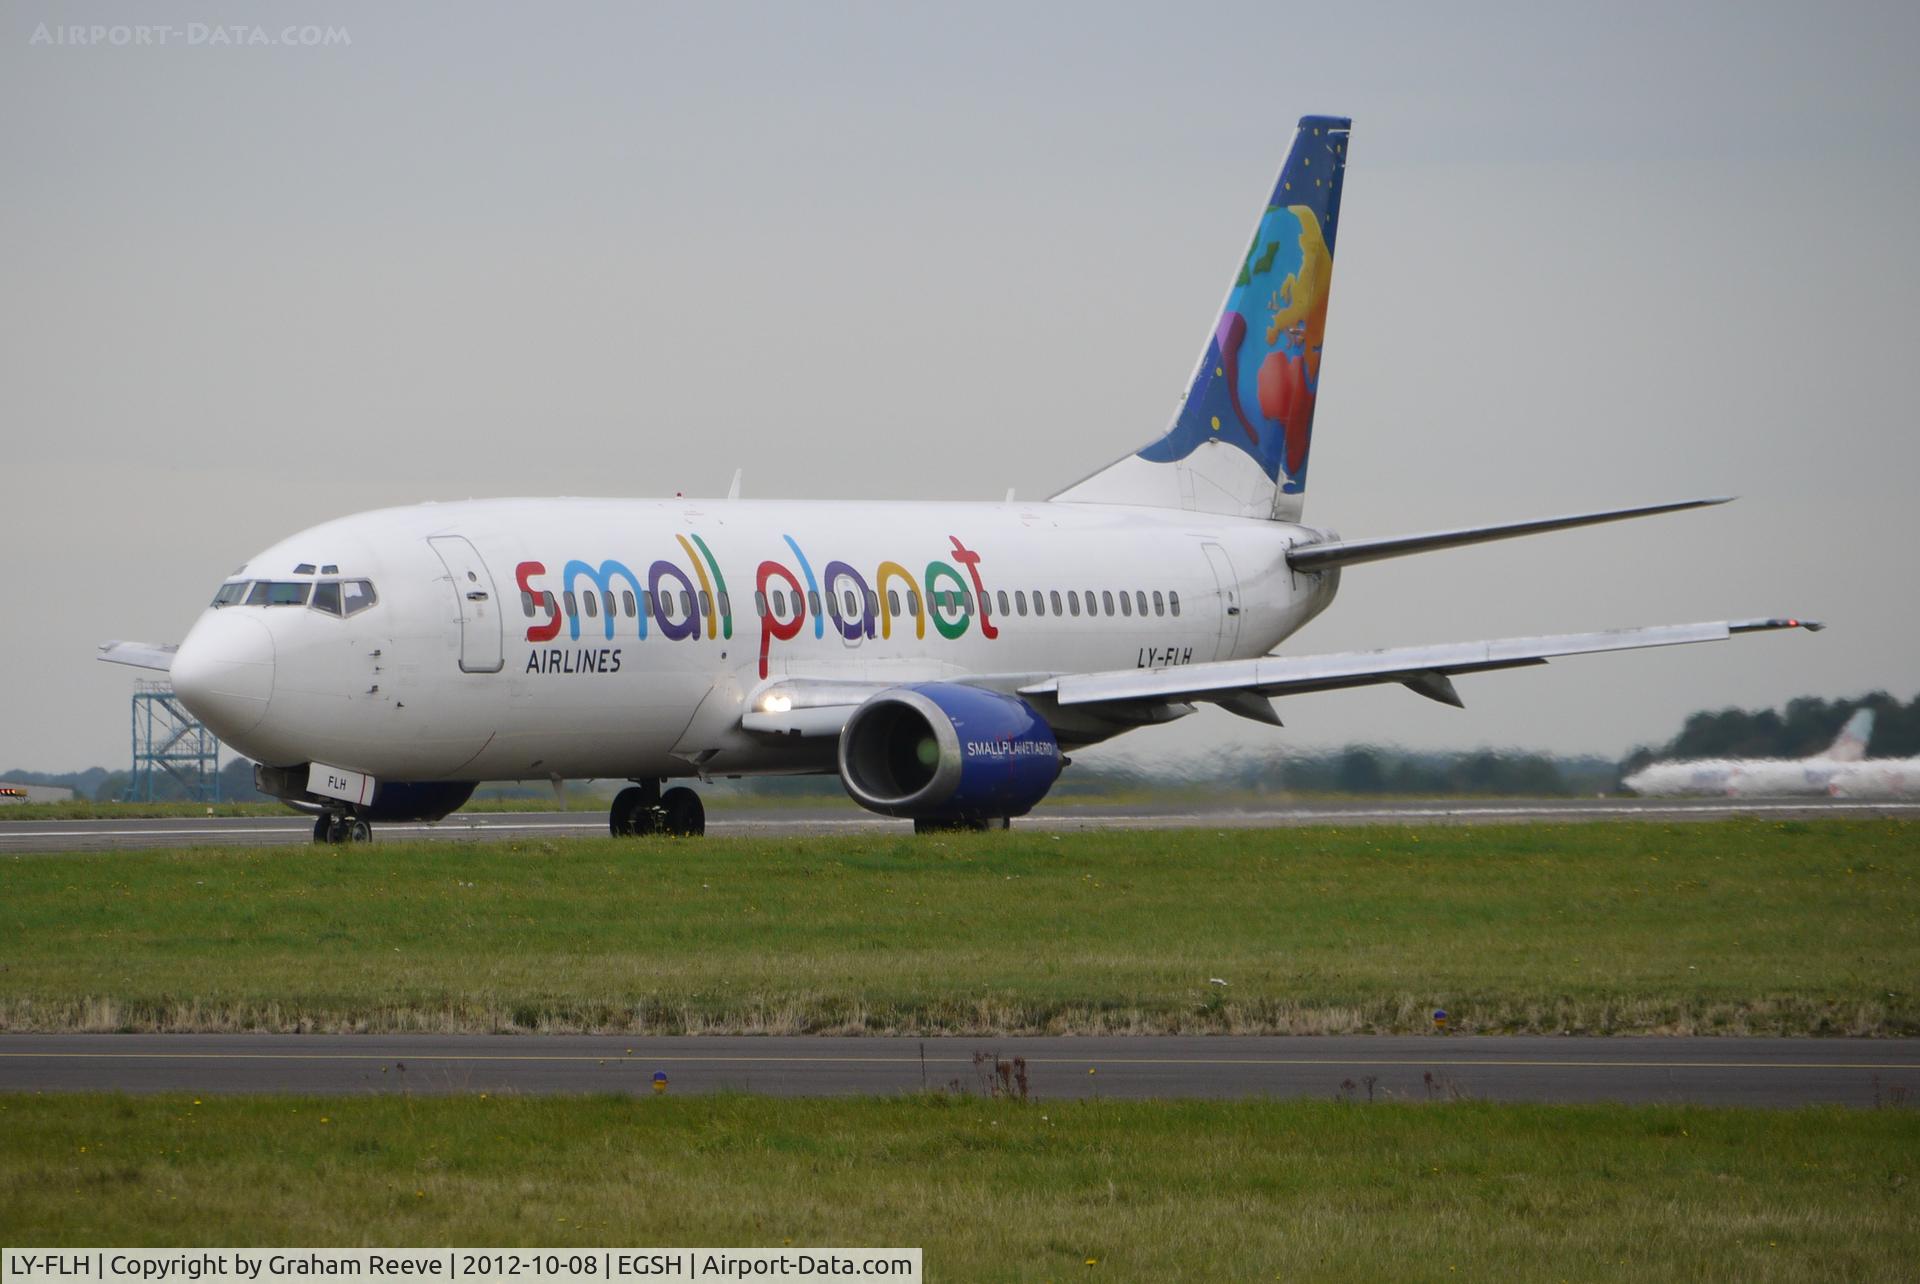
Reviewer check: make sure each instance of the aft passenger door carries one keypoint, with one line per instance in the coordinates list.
(480, 623)
(1229, 586)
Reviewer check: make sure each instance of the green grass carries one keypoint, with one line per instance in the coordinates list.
(996, 1189)
(1737, 927)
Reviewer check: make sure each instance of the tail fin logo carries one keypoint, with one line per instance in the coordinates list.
(1257, 384)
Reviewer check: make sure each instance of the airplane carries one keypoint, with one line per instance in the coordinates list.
(1758, 777)
(944, 659)
(1877, 778)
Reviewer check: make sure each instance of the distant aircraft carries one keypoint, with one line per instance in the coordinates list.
(1878, 778)
(941, 657)
(1759, 777)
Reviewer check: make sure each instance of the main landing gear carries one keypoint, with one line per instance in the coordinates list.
(645, 809)
(341, 827)
(924, 826)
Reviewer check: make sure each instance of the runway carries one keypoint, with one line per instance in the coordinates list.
(1745, 1072)
(774, 822)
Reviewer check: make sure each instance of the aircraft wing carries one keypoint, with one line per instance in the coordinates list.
(1424, 669)
(1348, 552)
(815, 707)
(141, 655)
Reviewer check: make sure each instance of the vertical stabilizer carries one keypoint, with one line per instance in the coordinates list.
(1239, 441)
(1851, 744)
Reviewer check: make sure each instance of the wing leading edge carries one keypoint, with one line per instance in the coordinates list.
(1350, 552)
(1424, 669)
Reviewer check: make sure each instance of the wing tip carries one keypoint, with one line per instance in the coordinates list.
(1776, 622)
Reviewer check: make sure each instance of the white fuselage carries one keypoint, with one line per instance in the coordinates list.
(1878, 778)
(460, 670)
(1778, 778)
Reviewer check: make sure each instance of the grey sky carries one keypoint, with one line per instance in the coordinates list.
(1589, 255)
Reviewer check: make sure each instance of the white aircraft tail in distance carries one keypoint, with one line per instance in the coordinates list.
(1761, 777)
(941, 658)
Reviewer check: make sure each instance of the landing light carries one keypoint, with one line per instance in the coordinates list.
(776, 702)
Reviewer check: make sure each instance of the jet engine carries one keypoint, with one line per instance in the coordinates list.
(943, 752)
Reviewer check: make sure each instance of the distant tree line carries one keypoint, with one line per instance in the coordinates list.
(1804, 728)
(101, 785)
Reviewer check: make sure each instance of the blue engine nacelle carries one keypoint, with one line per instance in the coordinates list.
(942, 751)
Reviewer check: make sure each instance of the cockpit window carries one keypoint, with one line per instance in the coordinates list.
(305, 568)
(231, 593)
(279, 593)
(326, 597)
(356, 595)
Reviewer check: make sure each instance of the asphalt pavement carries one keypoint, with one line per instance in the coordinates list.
(772, 822)
(1863, 1073)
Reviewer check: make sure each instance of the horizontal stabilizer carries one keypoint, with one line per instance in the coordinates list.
(141, 655)
(1423, 668)
(1319, 557)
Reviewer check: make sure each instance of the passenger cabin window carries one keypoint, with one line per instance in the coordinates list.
(893, 603)
(1173, 602)
(326, 597)
(592, 604)
(526, 603)
(626, 599)
(1073, 602)
(1159, 603)
(1001, 595)
(1140, 601)
(573, 603)
(1020, 600)
(1126, 603)
(1053, 600)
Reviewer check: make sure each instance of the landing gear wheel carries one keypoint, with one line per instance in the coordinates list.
(635, 812)
(333, 829)
(684, 815)
(359, 831)
(926, 826)
(323, 829)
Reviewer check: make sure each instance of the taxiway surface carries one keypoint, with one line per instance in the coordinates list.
(772, 822)
(1710, 1071)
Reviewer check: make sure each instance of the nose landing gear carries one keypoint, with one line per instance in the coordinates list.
(341, 827)
(644, 809)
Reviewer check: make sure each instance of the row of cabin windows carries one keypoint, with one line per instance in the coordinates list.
(846, 604)
(670, 606)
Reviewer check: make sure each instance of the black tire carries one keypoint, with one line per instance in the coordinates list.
(927, 826)
(323, 829)
(683, 814)
(358, 831)
(620, 816)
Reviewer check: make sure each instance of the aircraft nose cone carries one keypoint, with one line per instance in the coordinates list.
(223, 671)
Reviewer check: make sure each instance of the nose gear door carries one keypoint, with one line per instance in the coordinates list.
(480, 625)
